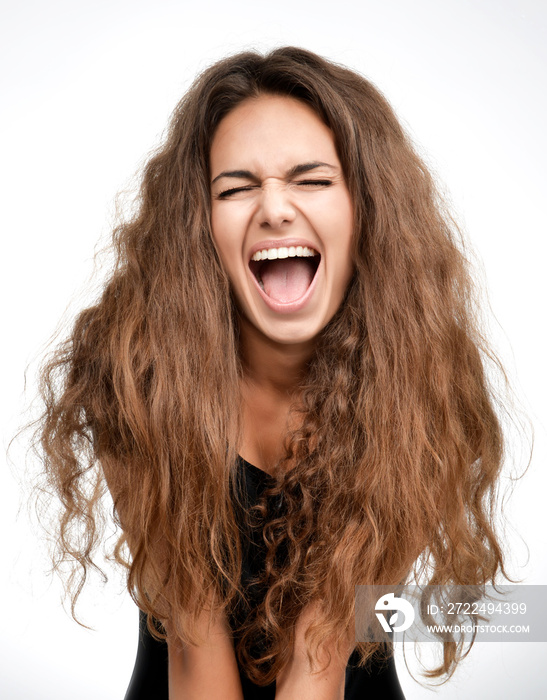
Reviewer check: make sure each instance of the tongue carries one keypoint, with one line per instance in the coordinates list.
(288, 279)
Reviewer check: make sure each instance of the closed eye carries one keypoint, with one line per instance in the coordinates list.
(235, 190)
(247, 188)
(311, 183)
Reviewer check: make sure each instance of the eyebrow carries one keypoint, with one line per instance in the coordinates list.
(295, 170)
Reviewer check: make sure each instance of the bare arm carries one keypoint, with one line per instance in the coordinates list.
(298, 680)
(208, 670)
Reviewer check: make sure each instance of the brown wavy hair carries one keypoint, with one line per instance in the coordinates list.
(392, 469)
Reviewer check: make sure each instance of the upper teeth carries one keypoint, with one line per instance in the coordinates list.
(298, 251)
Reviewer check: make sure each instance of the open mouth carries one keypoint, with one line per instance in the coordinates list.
(285, 274)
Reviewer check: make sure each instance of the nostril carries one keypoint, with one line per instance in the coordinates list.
(271, 223)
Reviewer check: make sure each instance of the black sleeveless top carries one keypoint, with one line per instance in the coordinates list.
(150, 675)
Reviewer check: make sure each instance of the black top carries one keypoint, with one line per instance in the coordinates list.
(150, 681)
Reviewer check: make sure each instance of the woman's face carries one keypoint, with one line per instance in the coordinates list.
(282, 216)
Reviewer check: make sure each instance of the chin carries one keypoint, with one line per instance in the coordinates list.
(292, 334)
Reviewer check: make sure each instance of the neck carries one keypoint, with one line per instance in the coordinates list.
(271, 366)
(272, 376)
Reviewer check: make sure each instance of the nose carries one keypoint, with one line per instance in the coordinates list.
(275, 207)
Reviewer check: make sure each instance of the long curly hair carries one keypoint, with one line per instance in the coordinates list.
(394, 463)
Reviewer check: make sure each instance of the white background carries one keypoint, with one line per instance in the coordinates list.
(87, 88)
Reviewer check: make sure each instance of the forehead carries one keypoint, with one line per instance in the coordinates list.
(271, 133)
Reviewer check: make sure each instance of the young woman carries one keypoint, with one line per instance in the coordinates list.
(282, 386)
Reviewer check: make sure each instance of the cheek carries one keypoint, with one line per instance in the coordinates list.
(228, 243)
(217, 229)
(222, 239)
(335, 214)
(336, 220)
(228, 226)
(341, 227)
